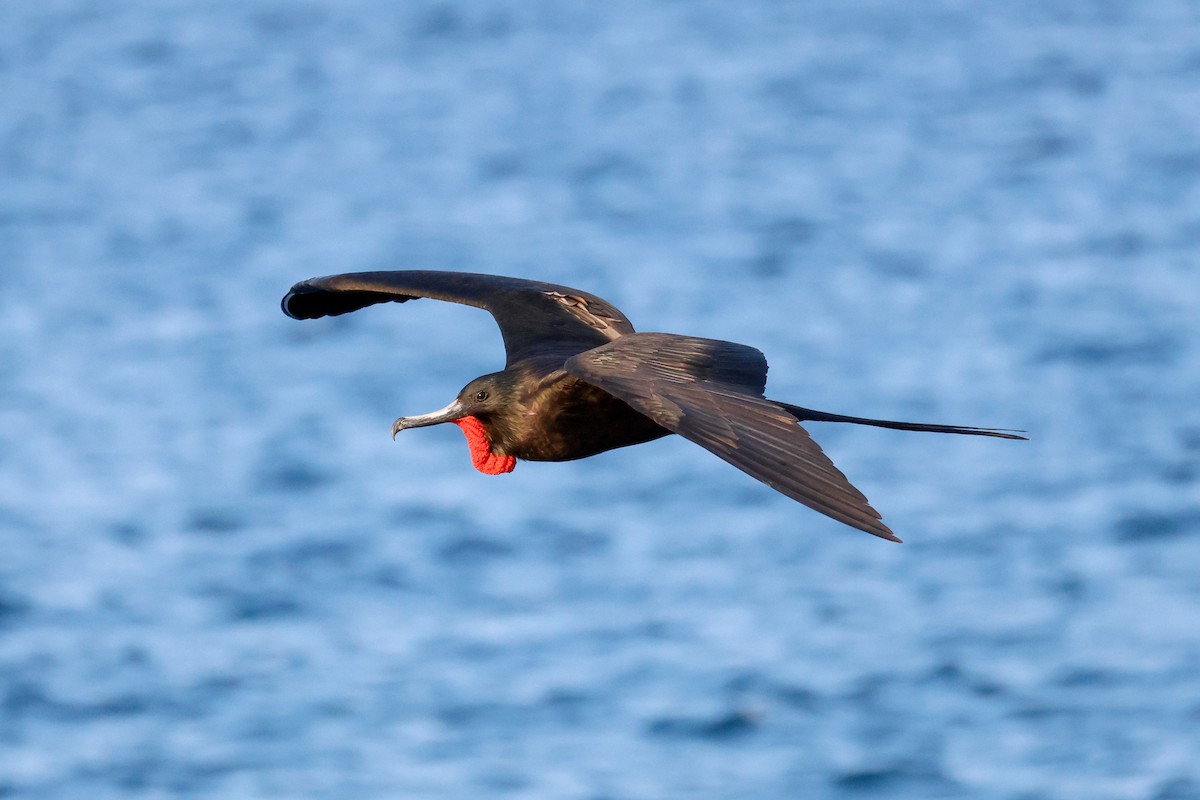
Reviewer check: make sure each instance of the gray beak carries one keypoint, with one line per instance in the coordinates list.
(450, 412)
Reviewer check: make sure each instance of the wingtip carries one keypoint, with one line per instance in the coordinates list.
(886, 533)
(309, 300)
(291, 302)
(334, 295)
(875, 527)
(286, 300)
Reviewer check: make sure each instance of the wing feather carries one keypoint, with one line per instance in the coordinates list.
(533, 316)
(710, 392)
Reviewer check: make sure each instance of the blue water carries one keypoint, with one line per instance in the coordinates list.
(220, 578)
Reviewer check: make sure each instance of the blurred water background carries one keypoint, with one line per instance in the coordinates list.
(219, 577)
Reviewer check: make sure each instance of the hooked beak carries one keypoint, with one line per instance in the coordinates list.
(451, 412)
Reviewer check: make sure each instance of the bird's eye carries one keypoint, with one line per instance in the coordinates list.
(481, 395)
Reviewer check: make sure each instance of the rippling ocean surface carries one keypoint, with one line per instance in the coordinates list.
(220, 578)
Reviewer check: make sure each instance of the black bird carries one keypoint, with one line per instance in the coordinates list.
(579, 380)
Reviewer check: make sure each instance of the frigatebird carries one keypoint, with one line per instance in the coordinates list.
(579, 380)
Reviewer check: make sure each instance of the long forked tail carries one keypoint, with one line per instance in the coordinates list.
(808, 414)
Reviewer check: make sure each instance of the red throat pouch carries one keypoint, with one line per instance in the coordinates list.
(482, 456)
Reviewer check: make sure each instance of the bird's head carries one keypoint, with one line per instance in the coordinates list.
(476, 410)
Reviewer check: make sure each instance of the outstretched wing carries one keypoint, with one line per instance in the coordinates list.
(532, 316)
(710, 392)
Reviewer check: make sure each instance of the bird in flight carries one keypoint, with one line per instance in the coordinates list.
(579, 380)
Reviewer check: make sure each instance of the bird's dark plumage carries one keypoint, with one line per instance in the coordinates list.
(580, 380)
(534, 317)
